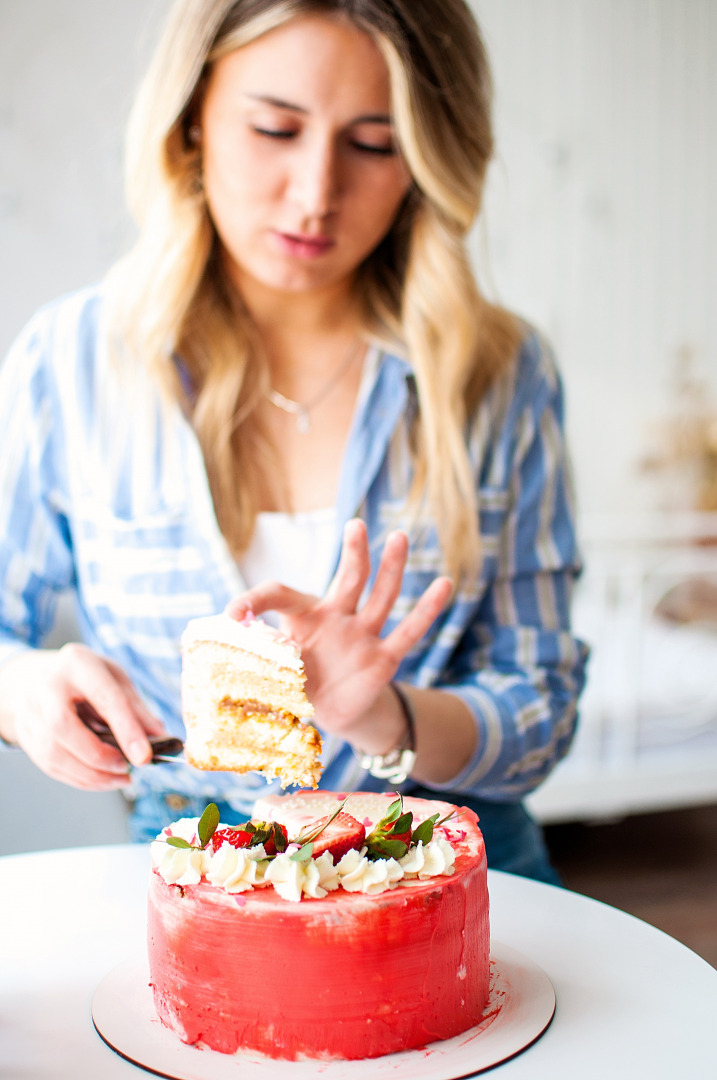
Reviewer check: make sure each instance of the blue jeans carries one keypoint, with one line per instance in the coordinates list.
(514, 841)
(153, 810)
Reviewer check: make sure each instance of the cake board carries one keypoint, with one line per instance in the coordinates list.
(520, 1008)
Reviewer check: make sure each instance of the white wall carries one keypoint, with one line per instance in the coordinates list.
(600, 215)
(601, 211)
(67, 74)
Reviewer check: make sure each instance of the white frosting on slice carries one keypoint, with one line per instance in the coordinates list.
(252, 635)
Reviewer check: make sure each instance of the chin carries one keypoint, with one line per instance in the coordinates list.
(295, 280)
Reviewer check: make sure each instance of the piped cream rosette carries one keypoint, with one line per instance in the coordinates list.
(238, 870)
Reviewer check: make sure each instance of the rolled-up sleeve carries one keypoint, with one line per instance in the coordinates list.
(518, 667)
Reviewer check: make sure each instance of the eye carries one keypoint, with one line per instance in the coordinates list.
(274, 133)
(369, 148)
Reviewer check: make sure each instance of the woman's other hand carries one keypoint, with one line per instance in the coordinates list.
(40, 691)
(348, 665)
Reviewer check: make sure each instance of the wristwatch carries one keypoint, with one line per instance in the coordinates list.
(397, 764)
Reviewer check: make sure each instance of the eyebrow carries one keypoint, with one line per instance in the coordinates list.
(279, 103)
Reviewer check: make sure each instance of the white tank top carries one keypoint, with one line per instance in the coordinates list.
(297, 549)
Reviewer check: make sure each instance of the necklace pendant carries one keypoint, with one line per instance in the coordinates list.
(303, 424)
(301, 412)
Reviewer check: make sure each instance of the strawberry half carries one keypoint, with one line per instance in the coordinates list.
(238, 838)
(342, 834)
(271, 834)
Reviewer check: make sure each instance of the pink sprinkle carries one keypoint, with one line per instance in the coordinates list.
(367, 823)
(249, 618)
(241, 900)
(452, 834)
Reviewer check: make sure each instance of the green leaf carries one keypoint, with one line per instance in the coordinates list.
(387, 849)
(178, 841)
(424, 831)
(303, 854)
(279, 838)
(208, 824)
(403, 824)
(394, 811)
(447, 817)
(260, 836)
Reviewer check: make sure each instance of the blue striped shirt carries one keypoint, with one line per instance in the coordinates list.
(103, 491)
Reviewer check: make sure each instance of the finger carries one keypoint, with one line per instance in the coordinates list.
(387, 586)
(353, 570)
(73, 755)
(270, 596)
(151, 723)
(411, 629)
(77, 740)
(93, 680)
(68, 769)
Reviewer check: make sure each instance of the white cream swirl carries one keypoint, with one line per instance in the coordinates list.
(293, 879)
(179, 866)
(435, 859)
(359, 874)
(237, 869)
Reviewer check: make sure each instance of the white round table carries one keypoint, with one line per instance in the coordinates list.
(631, 1001)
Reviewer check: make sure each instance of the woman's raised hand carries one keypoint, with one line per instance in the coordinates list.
(40, 692)
(348, 665)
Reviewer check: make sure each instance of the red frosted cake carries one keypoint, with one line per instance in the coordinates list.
(366, 935)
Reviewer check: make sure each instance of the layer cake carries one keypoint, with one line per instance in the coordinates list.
(295, 958)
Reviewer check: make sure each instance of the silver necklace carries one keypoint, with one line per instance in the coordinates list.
(300, 409)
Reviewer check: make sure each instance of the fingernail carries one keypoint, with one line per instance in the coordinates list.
(138, 752)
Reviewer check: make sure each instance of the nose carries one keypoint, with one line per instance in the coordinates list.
(315, 181)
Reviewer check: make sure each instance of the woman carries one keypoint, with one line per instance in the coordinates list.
(295, 351)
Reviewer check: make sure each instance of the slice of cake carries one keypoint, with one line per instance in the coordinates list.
(348, 942)
(243, 701)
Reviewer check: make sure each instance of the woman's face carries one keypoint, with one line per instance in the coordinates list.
(301, 173)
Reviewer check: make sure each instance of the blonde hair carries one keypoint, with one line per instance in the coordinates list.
(170, 295)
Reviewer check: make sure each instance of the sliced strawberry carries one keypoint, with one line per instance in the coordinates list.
(238, 838)
(271, 834)
(342, 834)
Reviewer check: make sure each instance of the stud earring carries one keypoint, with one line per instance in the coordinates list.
(195, 134)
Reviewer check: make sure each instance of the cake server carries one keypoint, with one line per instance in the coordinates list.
(165, 748)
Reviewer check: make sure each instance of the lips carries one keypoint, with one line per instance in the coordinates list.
(299, 246)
